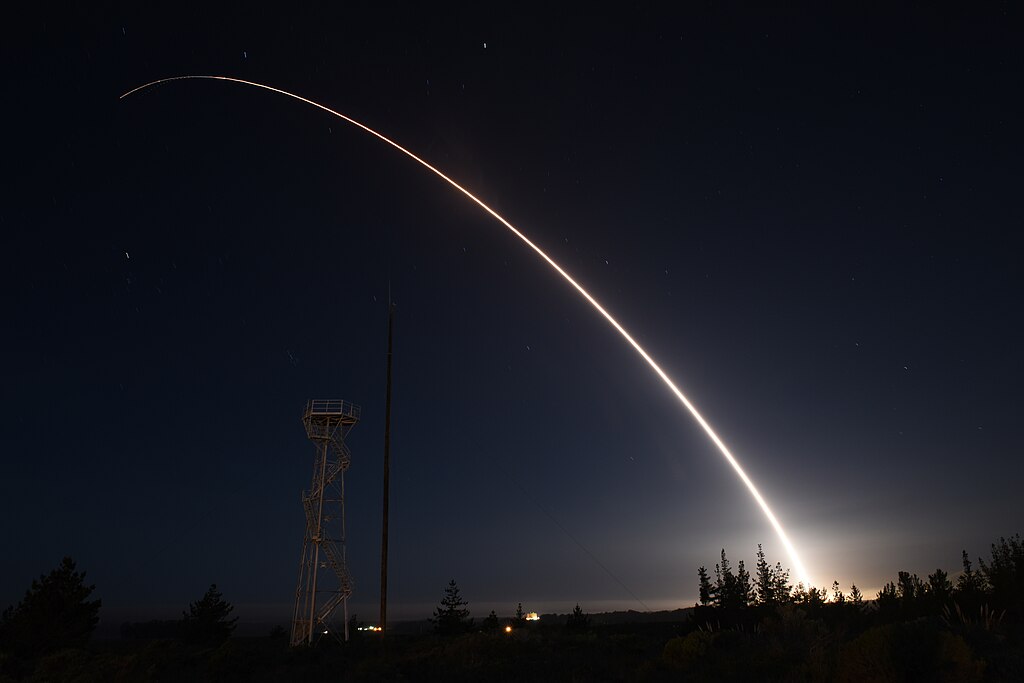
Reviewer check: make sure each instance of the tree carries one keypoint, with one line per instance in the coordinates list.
(911, 591)
(206, 622)
(578, 621)
(55, 613)
(815, 598)
(782, 589)
(519, 620)
(490, 624)
(837, 594)
(970, 585)
(727, 589)
(1004, 573)
(764, 580)
(744, 592)
(451, 617)
(771, 584)
(707, 592)
(888, 600)
(856, 597)
(939, 589)
(731, 591)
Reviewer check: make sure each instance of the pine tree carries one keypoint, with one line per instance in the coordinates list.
(837, 594)
(782, 590)
(939, 589)
(707, 592)
(519, 620)
(732, 591)
(744, 592)
(55, 613)
(888, 600)
(724, 581)
(206, 622)
(815, 598)
(910, 589)
(856, 597)
(490, 623)
(764, 580)
(970, 585)
(1004, 573)
(451, 617)
(578, 621)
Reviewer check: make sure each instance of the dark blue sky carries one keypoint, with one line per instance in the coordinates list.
(811, 220)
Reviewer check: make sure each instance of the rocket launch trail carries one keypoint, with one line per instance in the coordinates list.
(798, 566)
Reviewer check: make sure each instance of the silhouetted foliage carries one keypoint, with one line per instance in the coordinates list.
(771, 584)
(856, 597)
(490, 624)
(578, 621)
(519, 620)
(1004, 574)
(887, 601)
(707, 591)
(206, 622)
(55, 613)
(451, 617)
(782, 589)
(809, 636)
(732, 591)
(812, 599)
(939, 590)
(744, 591)
(764, 583)
(915, 629)
(909, 651)
(970, 585)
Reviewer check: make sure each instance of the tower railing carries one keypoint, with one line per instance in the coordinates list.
(332, 407)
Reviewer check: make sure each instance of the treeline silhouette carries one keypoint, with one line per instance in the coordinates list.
(993, 592)
(745, 625)
(44, 636)
(914, 629)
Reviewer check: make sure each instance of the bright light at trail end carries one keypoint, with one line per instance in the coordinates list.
(798, 567)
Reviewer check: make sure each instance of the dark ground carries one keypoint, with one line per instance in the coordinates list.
(785, 645)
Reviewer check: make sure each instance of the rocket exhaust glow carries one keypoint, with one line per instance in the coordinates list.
(798, 566)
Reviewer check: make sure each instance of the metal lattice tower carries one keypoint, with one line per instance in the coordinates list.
(324, 581)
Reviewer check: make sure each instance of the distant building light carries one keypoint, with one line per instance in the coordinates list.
(532, 616)
(508, 629)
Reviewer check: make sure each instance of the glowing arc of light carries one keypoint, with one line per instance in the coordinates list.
(779, 531)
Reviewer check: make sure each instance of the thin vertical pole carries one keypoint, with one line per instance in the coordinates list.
(344, 540)
(387, 477)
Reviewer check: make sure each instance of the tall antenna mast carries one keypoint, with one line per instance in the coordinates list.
(387, 477)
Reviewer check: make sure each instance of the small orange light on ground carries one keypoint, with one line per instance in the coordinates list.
(508, 629)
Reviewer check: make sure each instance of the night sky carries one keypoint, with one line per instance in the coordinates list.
(812, 221)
